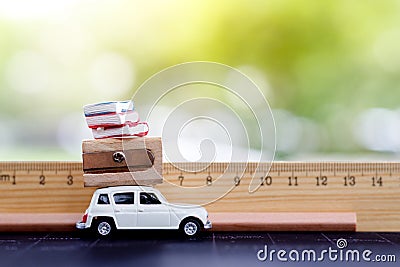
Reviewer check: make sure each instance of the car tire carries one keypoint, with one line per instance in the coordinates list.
(104, 228)
(190, 228)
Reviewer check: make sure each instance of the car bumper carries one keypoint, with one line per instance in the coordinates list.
(80, 225)
(208, 225)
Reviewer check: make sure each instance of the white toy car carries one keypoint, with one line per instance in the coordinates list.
(140, 207)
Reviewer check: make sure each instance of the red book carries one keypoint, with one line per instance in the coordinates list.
(129, 129)
(112, 119)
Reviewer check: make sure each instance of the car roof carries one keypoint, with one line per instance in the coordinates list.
(112, 189)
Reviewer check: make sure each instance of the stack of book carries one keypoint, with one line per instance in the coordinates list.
(114, 119)
(113, 160)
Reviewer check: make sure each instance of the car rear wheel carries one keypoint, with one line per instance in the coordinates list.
(104, 228)
(190, 228)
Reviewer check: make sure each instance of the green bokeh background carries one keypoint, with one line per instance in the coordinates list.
(321, 63)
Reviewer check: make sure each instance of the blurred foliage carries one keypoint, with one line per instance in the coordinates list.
(326, 61)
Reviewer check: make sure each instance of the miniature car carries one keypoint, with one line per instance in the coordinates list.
(140, 207)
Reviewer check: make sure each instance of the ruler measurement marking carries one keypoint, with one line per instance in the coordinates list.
(297, 171)
(362, 170)
(334, 170)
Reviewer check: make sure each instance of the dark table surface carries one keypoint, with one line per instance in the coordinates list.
(166, 248)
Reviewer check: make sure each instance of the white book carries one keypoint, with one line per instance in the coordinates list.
(108, 108)
(112, 119)
(135, 129)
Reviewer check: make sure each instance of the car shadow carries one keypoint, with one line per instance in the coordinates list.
(146, 235)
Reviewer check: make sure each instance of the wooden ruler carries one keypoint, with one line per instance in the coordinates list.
(370, 189)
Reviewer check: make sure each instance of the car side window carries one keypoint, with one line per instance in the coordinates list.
(124, 198)
(103, 199)
(148, 198)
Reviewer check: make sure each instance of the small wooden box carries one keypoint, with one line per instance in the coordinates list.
(128, 161)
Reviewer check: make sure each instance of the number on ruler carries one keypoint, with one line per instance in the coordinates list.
(70, 180)
(42, 180)
(14, 180)
(377, 181)
(293, 181)
(322, 180)
(349, 181)
(267, 180)
(209, 180)
(236, 180)
(180, 178)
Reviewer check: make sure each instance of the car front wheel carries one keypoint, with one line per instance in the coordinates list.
(190, 228)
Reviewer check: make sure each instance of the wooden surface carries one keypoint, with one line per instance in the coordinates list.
(143, 170)
(371, 190)
(221, 222)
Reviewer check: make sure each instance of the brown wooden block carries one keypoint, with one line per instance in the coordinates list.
(284, 221)
(147, 177)
(38, 222)
(128, 161)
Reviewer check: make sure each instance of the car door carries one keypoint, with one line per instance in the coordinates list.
(125, 209)
(152, 213)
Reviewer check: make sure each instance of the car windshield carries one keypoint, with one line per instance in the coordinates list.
(162, 198)
(148, 198)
